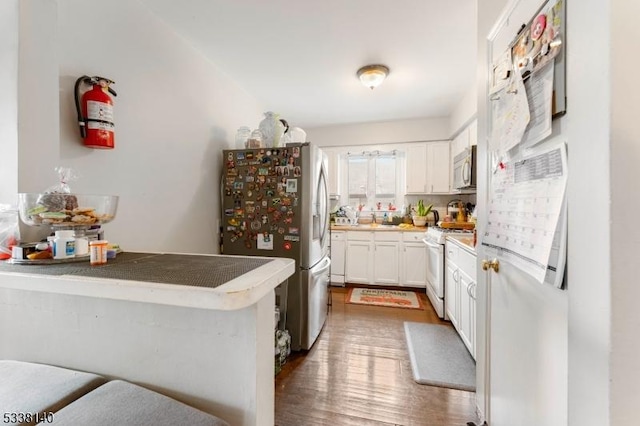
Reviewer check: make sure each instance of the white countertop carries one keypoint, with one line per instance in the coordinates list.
(378, 228)
(465, 243)
(235, 294)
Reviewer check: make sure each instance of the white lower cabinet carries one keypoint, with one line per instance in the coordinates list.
(338, 250)
(460, 293)
(358, 266)
(385, 258)
(413, 265)
(385, 262)
(451, 290)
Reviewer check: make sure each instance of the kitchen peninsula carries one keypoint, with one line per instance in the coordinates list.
(197, 328)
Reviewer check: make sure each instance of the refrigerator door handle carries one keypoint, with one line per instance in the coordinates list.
(322, 206)
(322, 267)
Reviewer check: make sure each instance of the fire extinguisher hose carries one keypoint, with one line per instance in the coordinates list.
(81, 120)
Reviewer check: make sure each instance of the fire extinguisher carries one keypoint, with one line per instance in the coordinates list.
(95, 112)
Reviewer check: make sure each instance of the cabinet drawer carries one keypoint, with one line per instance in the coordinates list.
(413, 236)
(359, 236)
(338, 236)
(451, 252)
(386, 236)
(467, 262)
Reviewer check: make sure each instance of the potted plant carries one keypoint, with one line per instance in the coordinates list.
(420, 213)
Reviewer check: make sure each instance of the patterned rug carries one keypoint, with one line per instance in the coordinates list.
(382, 297)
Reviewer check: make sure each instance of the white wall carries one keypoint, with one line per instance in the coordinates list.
(174, 113)
(8, 101)
(590, 244)
(464, 112)
(381, 132)
(625, 240)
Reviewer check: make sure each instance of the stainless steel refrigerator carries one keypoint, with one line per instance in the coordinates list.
(275, 203)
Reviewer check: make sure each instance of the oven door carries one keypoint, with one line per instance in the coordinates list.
(435, 267)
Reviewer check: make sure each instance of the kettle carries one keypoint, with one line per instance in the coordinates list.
(436, 216)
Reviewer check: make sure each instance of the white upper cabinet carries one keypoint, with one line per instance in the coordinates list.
(438, 176)
(473, 133)
(333, 171)
(428, 168)
(460, 143)
(416, 174)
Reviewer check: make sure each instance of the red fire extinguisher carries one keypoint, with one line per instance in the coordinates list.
(95, 112)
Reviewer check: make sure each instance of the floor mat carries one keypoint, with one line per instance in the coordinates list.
(439, 357)
(382, 297)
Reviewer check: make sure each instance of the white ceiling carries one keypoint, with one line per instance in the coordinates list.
(300, 57)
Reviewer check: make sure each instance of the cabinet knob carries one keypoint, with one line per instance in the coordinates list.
(491, 264)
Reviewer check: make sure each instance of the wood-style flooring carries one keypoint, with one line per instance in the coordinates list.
(358, 373)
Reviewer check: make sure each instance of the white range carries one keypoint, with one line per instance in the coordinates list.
(434, 240)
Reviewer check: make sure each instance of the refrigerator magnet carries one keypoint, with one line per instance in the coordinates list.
(291, 238)
(296, 151)
(265, 242)
(240, 156)
(294, 231)
(292, 185)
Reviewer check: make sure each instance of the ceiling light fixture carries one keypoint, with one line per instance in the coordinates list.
(372, 75)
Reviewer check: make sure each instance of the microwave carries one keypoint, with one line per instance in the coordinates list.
(464, 169)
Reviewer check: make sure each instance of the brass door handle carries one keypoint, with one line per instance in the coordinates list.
(491, 264)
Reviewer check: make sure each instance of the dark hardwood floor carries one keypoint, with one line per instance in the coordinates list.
(359, 373)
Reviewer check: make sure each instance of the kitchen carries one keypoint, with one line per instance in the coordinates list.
(157, 64)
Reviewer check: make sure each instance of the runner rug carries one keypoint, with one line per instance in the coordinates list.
(382, 297)
(439, 357)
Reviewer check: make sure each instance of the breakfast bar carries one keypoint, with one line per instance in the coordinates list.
(197, 328)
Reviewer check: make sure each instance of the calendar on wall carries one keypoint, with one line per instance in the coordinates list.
(526, 220)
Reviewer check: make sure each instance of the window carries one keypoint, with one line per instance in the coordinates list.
(373, 180)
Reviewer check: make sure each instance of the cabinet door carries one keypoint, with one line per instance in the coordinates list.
(451, 292)
(333, 172)
(416, 172)
(358, 264)
(473, 133)
(414, 265)
(438, 168)
(385, 263)
(338, 246)
(465, 328)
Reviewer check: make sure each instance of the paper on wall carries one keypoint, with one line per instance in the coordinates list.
(539, 89)
(510, 115)
(526, 198)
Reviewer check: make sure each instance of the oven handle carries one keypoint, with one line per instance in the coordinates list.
(430, 244)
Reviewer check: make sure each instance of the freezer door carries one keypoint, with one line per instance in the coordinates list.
(316, 283)
(315, 207)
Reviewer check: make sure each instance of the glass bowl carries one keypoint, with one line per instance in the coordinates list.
(67, 211)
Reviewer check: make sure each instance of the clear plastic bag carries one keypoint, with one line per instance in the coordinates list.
(9, 230)
(54, 197)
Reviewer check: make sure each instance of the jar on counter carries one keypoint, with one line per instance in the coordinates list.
(242, 136)
(255, 140)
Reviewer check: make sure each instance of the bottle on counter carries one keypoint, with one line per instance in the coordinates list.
(98, 252)
(64, 245)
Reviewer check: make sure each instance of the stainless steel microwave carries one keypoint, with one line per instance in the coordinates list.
(464, 169)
